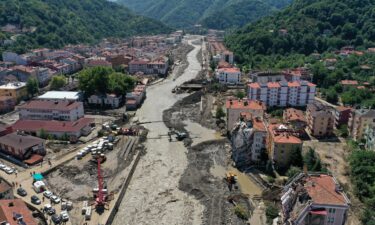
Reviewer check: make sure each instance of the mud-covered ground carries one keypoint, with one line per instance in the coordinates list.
(201, 178)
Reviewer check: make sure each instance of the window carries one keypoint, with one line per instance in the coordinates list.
(332, 210)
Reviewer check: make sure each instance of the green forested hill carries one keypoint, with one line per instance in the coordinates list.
(312, 26)
(59, 22)
(218, 14)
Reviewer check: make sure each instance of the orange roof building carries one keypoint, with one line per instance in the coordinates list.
(314, 197)
(281, 143)
(237, 106)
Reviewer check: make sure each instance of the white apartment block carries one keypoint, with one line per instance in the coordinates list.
(229, 75)
(283, 93)
(51, 110)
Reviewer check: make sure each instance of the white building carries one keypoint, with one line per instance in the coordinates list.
(51, 110)
(61, 95)
(108, 100)
(229, 75)
(283, 93)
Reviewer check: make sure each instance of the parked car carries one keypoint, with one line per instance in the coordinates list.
(55, 199)
(47, 194)
(56, 219)
(2, 166)
(64, 216)
(48, 208)
(35, 200)
(22, 192)
(8, 170)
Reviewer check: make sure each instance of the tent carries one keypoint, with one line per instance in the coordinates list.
(39, 186)
(38, 177)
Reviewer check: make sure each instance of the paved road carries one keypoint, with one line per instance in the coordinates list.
(153, 196)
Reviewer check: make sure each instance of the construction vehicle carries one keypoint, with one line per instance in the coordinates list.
(100, 196)
(231, 178)
(180, 136)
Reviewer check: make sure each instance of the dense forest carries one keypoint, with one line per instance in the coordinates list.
(307, 26)
(217, 14)
(58, 22)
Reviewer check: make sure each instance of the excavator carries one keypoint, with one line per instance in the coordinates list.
(231, 179)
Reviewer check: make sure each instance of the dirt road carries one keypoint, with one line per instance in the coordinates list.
(153, 195)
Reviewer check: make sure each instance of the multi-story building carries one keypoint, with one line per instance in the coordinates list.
(158, 66)
(248, 140)
(314, 199)
(237, 106)
(7, 104)
(283, 93)
(16, 90)
(320, 119)
(108, 100)
(342, 115)
(24, 73)
(51, 110)
(281, 143)
(360, 120)
(229, 75)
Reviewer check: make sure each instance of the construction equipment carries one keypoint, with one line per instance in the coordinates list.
(100, 196)
(231, 178)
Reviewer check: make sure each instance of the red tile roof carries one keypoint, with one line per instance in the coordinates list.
(292, 114)
(253, 85)
(241, 104)
(229, 70)
(342, 108)
(322, 190)
(284, 138)
(259, 125)
(52, 126)
(349, 82)
(294, 84)
(8, 207)
(51, 105)
(273, 85)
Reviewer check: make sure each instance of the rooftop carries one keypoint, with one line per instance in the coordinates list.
(292, 114)
(19, 141)
(51, 105)
(245, 104)
(13, 85)
(52, 125)
(52, 95)
(15, 207)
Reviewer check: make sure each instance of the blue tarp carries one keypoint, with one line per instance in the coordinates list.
(38, 176)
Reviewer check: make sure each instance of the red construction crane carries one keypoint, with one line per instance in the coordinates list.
(100, 200)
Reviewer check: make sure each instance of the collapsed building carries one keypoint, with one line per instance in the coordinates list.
(248, 140)
(314, 199)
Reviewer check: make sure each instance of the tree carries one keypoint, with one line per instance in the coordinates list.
(32, 86)
(57, 82)
(271, 212)
(240, 94)
(296, 158)
(312, 161)
(292, 171)
(219, 113)
(43, 134)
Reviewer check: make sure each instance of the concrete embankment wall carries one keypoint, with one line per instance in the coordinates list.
(123, 191)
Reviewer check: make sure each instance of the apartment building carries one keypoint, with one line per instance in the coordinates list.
(359, 121)
(16, 90)
(320, 119)
(229, 75)
(158, 66)
(282, 93)
(51, 110)
(281, 143)
(248, 139)
(314, 199)
(237, 106)
(342, 115)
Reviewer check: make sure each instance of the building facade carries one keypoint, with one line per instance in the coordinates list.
(16, 90)
(229, 75)
(21, 146)
(361, 120)
(283, 93)
(320, 119)
(51, 110)
(342, 115)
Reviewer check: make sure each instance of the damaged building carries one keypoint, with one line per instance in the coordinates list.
(314, 199)
(248, 139)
